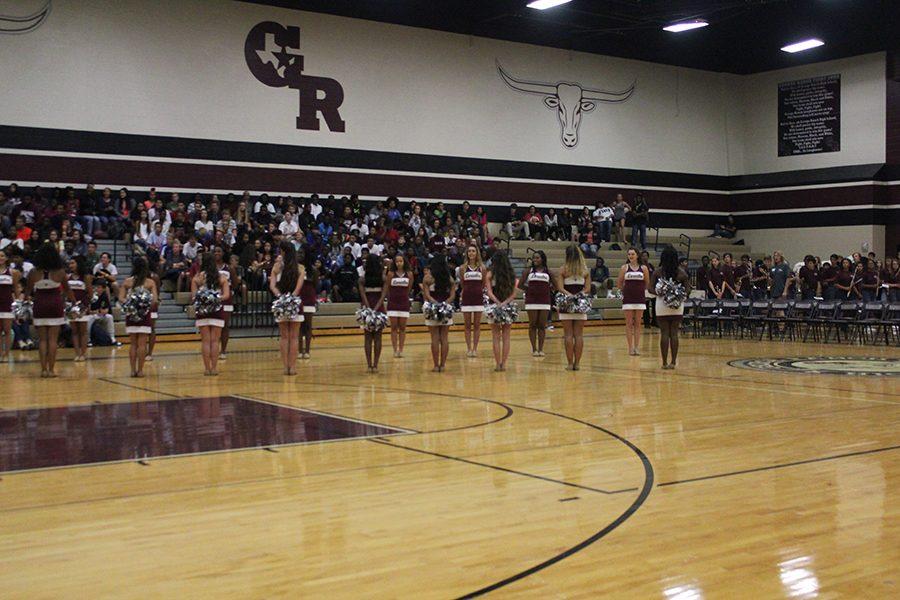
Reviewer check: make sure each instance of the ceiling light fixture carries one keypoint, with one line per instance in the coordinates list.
(545, 4)
(804, 45)
(685, 25)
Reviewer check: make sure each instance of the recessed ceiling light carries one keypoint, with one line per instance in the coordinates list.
(545, 4)
(685, 25)
(804, 45)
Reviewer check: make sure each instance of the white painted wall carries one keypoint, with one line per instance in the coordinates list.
(176, 68)
(795, 243)
(862, 116)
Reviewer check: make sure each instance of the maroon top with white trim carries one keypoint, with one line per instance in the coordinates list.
(538, 290)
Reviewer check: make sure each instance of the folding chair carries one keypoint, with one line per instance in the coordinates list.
(800, 314)
(707, 314)
(756, 316)
(870, 317)
(890, 322)
(687, 322)
(844, 319)
(729, 315)
(820, 322)
(777, 315)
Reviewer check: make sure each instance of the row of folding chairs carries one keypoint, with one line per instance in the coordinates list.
(820, 320)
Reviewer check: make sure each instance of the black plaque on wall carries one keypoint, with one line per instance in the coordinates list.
(809, 116)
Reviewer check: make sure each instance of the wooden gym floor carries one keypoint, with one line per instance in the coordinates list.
(620, 480)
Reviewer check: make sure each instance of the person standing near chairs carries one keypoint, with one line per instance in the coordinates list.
(718, 286)
(869, 280)
(620, 210)
(633, 281)
(669, 317)
(810, 284)
(780, 276)
(890, 280)
(742, 274)
(846, 282)
(288, 277)
(45, 285)
(572, 279)
(471, 277)
(537, 283)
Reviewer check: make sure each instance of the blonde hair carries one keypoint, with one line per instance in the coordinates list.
(478, 261)
(575, 264)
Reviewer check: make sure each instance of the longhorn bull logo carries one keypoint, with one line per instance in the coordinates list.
(569, 100)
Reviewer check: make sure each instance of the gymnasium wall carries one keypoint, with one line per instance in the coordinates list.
(162, 94)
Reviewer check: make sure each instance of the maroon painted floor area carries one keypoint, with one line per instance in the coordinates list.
(78, 435)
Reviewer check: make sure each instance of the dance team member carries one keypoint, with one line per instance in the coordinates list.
(80, 284)
(574, 277)
(668, 318)
(438, 285)
(471, 277)
(45, 286)
(398, 288)
(371, 295)
(310, 303)
(154, 309)
(210, 326)
(138, 330)
(502, 286)
(288, 277)
(10, 279)
(633, 281)
(537, 283)
(226, 271)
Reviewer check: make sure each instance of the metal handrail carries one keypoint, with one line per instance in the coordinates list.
(681, 242)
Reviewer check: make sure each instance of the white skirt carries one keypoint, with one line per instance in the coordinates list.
(8, 315)
(297, 319)
(664, 311)
(472, 308)
(634, 306)
(137, 329)
(572, 317)
(51, 322)
(80, 320)
(402, 314)
(309, 309)
(430, 323)
(226, 308)
(206, 323)
(537, 307)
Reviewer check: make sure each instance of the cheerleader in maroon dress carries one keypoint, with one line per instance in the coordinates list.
(210, 326)
(633, 280)
(138, 329)
(574, 277)
(80, 284)
(154, 308)
(371, 294)
(502, 286)
(397, 290)
(470, 276)
(9, 287)
(45, 286)
(537, 283)
(227, 304)
(310, 303)
(438, 285)
(288, 277)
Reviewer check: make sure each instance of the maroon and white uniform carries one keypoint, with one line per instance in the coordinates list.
(49, 308)
(79, 290)
(373, 294)
(573, 285)
(133, 325)
(6, 294)
(472, 289)
(227, 305)
(297, 318)
(634, 289)
(537, 294)
(308, 296)
(442, 296)
(398, 296)
(216, 319)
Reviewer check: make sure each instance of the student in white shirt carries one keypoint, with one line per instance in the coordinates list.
(204, 222)
(289, 225)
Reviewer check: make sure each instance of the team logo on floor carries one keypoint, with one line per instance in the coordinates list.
(272, 54)
(567, 99)
(827, 365)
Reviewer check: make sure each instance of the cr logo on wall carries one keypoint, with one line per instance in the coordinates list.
(271, 52)
(25, 23)
(569, 100)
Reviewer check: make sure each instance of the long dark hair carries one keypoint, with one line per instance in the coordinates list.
(440, 273)
(393, 266)
(374, 272)
(140, 270)
(502, 276)
(668, 263)
(47, 258)
(289, 268)
(543, 260)
(210, 270)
